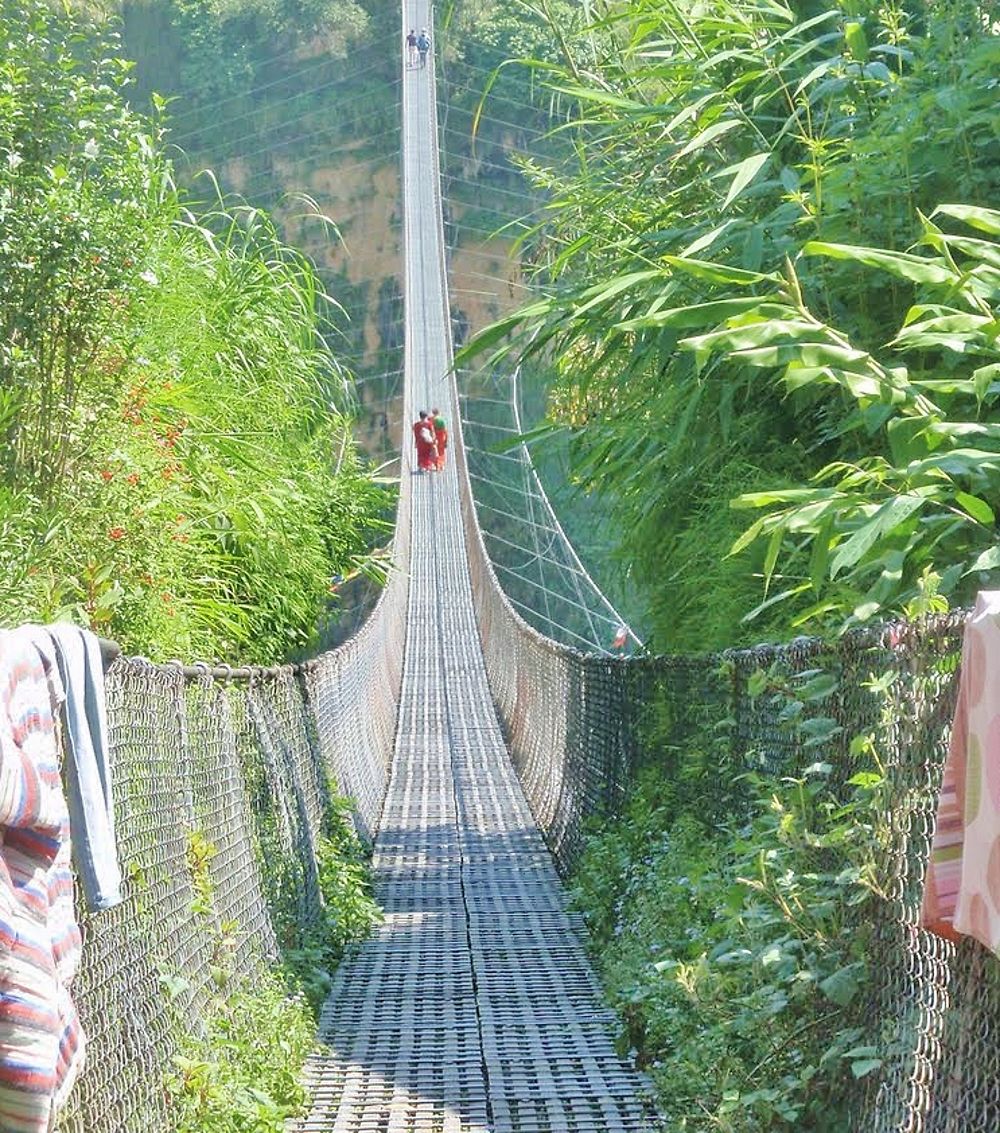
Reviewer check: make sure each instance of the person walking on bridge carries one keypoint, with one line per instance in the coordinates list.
(411, 49)
(440, 437)
(423, 46)
(423, 435)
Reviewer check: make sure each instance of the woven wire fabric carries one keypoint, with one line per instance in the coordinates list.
(222, 789)
(573, 721)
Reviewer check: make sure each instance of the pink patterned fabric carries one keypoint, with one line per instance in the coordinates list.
(41, 1046)
(962, 891)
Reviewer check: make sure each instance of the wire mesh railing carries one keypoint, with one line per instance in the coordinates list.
(574, 723)
(533, 557)
(221, 786)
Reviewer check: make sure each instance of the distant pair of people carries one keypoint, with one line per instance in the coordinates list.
(417, 47)
(431, 436)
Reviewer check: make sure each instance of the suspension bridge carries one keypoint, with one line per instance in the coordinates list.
(474, 747)
(473, 1008)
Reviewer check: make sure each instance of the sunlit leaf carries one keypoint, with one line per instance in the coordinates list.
(986, 220)
(903, 264)
(888, 516)
(708, 135)
(979, 509)
(717, 273)
(745, 173)
(987, 560)
(771, 555)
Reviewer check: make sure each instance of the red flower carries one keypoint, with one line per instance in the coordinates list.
(116, 533)
(133, 478)
(106, 474)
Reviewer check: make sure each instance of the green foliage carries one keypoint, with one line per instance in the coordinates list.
(178, 472)
(242, 1077)
(489, 102)
(349, 911)
(498, 116)
(713, 145)
(904, 509)
(240, 1073)
(728, 913)
(916, 513)
(200, 852)
(78, 188)
(215, 50)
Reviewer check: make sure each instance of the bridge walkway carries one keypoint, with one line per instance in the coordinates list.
(473, 1008)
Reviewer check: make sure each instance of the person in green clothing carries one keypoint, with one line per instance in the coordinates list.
(440, 437)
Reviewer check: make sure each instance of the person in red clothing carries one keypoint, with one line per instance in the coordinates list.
(423, 435)
(440, 437)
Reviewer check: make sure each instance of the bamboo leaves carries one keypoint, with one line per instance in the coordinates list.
(750, 285)
(902, 264)
(885, 519)
(887, 523)
(745, 173)
(708, 135)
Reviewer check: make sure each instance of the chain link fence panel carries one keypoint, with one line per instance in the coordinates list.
(222, 790)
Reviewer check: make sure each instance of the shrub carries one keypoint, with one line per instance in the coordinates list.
(729, 922)
(178, 470)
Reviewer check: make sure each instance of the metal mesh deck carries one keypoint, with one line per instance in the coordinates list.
(473, 1008)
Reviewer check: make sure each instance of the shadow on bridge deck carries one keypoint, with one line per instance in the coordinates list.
(473, 1009)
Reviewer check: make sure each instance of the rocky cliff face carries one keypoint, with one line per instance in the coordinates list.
(360, 257)
(310, 133)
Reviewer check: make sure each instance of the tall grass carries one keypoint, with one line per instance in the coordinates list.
(179, 471)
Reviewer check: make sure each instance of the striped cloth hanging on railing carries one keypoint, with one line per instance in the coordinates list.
(41, 1045)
